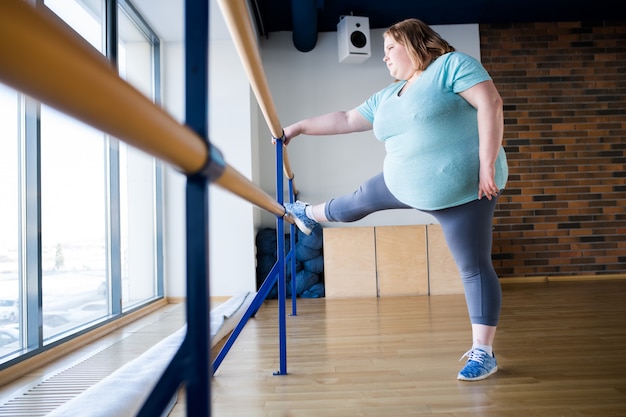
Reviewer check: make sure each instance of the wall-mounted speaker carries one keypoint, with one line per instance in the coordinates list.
(353, 38)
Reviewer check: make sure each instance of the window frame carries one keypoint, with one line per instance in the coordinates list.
(29, 204)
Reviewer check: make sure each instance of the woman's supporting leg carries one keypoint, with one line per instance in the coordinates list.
(468, 232)
(469, 235)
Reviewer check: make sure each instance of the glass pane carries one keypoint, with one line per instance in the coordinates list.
(10, 320)
(137, 226)
(84, 16)
(137, 177)
(73, 189)
(74, 254)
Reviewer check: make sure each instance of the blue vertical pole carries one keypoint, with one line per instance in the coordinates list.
(198, 382)
(280, 252)
(294, 232)
(191, 365)
(198, 350)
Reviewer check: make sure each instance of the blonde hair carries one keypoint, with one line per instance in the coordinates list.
(422, 43)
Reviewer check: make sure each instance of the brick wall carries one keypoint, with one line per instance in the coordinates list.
(564, 89)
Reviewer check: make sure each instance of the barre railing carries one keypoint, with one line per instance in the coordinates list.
(49, 62)
(237, 17)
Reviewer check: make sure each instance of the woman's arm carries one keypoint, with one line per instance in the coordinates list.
(485, 98)
(328, 124)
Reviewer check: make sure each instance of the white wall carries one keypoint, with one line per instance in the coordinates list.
(312, 83)
(174, 182)
(232, 256)
(231, 228)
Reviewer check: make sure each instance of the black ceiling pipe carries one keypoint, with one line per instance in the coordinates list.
(304, 17)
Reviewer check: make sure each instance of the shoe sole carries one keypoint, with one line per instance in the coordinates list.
(300, 225)
(478, 378)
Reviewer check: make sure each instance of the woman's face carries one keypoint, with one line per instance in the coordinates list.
(397, 59)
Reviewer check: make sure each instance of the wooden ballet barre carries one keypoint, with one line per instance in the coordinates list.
(239, 185)
(287, 167)
(47, 60)
(237, 17)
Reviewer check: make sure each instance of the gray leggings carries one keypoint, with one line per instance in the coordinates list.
(468, 232)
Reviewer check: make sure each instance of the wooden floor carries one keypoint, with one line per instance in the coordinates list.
(561, 349)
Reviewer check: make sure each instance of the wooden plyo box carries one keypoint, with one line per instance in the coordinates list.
(387, 261)
(349, 262)
(443, 275)
(401, 260)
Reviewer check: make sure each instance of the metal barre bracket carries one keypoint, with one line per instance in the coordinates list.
(282, 138)
(214, 166)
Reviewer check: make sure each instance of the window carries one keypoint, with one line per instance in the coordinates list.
(73, 197)
(73, 219)
(138, 171)
(9, 222)
(94, 202)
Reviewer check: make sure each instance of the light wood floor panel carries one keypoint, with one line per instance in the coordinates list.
(561, 349)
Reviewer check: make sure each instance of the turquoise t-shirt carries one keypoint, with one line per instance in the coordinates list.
(431, 135)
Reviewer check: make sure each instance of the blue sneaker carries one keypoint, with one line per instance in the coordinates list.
(479, 365)
(297, 211)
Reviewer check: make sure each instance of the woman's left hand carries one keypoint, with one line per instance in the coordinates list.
(487, 184)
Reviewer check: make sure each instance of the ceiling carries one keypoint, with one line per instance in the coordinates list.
(313, 16)
(276, 14)
(323, 15)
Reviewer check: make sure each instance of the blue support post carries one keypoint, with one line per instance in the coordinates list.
(191, 364)
(292, 252)
(275, 276)
(198, 381)
(254, 306)
(280, 253)
(198, 370)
